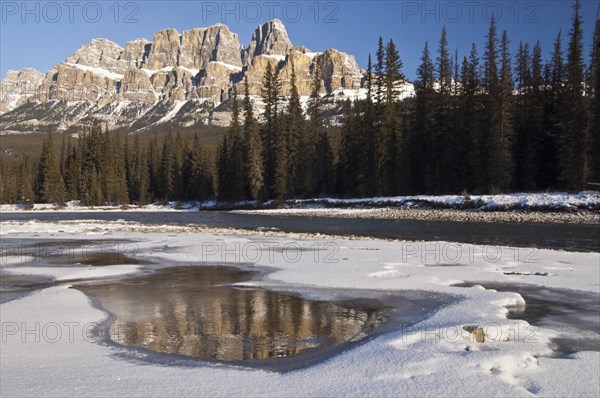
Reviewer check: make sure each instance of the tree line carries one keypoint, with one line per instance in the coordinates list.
(485, 123)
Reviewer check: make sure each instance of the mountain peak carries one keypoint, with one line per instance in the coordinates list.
(270, 38)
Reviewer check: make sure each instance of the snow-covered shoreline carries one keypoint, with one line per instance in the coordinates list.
(547, 202)
(428, 359)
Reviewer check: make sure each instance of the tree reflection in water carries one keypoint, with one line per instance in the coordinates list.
(194, 311)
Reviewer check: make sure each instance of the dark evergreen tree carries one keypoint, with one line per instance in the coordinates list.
(270, 96)
(553, 106)
(389, 144)
(471, 109)
(196, 173)
(50, 182)
(422, 131)
(349, 153)
(230, 162)
(380, 74)
(441, 141)
(319, 156)
(594, 123)
(572, 139)
(498, 119)
(137, 174)
(290, 166)
(367, 179)
(252, 149)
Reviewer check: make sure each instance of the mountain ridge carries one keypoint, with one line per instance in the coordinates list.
(176, 80)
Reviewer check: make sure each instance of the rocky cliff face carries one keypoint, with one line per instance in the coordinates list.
(176, 80)
(18, 87)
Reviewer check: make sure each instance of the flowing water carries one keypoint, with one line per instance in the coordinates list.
(575, 237)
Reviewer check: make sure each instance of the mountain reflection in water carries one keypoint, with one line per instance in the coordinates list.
(194, 311)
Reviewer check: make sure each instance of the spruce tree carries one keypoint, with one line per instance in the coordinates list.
(422, 131)
(554, 97)
(471, 110)
(380, 74)
(230, 162)
(367, 184)
(223, 187)
(594, 122)
(389, 143)
(199, 186)
(252, 149)
(290, 167)
(572, 153)
(503, 142)
(50, 182)
(315, 129)
(498, 86)
(270, 96)
(441, 140)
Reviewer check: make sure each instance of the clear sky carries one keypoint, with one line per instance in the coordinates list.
(40, 34)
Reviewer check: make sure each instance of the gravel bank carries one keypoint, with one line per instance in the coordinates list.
(513, 216)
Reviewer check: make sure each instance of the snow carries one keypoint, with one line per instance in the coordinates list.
(192, 72)
(74, 206)
(551, 200)
(354, 95)
(278, 57)
(555, 200)
(312, 55)
(427, 359)
(172, 113)
(98, 71)
(228, 66)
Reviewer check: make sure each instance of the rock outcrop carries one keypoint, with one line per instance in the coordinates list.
(269, 39)
(18, 87)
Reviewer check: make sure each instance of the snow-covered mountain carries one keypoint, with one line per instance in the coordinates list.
(177, 80)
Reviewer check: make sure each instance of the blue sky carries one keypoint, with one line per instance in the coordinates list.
(40, 34)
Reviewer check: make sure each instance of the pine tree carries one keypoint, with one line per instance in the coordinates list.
(196, 173)
(270, 96)
(367, 184)
(503, 142)
(553, 106)
(252, 149)
(290, 167)
(389, 131)
(138, 178)
(380, 74)
(223, 187)
(318, 176)
(349, 152)
(471, 111)
(594, 123)
(72, 172)
(167, 169)
(50, 181)
(230, 162)
(572, 139)
(441, 140)
(153, 165)
(422, 163)
(498, 86)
